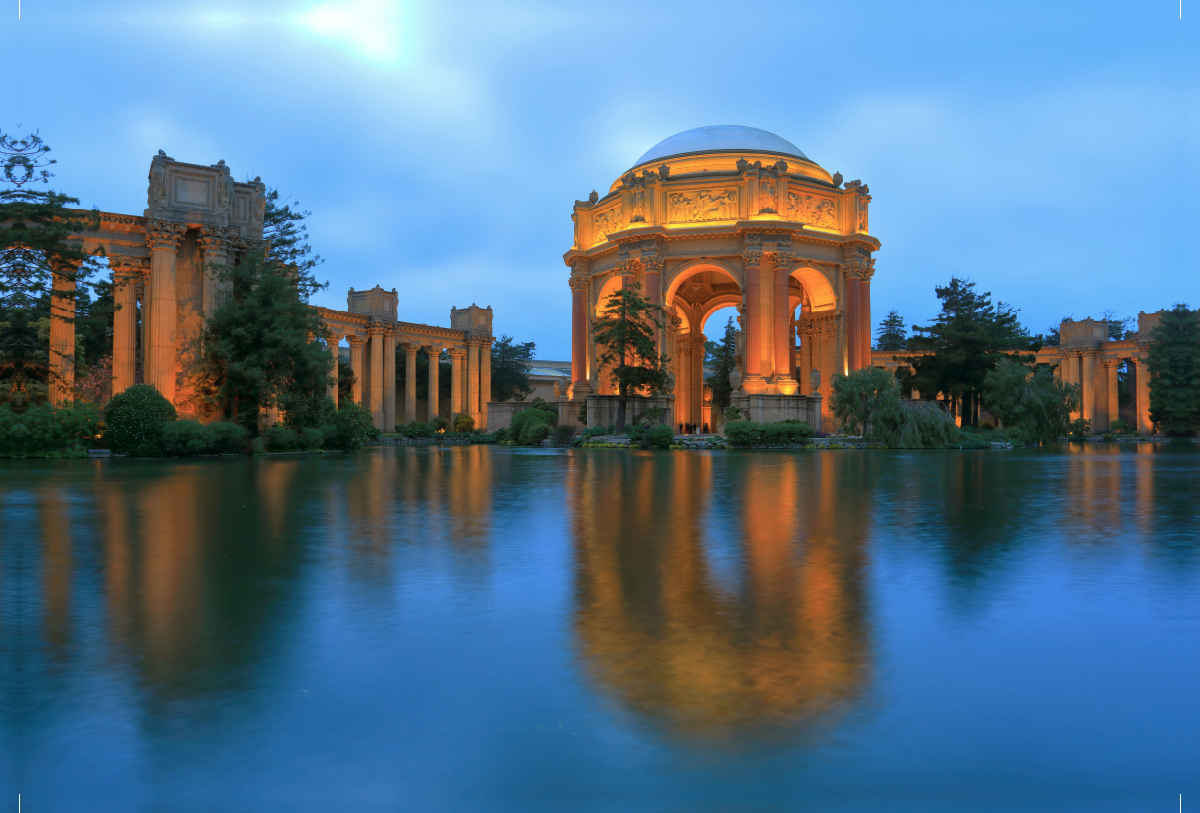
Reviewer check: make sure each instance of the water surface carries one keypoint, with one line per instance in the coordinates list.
(493, 629)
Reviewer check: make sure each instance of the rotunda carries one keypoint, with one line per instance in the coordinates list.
(729, 216)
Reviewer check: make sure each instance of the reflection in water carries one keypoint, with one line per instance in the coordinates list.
(722, 603)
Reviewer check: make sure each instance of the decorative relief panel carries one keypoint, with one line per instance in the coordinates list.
(702, 204)
(812, 210)
(606, 223)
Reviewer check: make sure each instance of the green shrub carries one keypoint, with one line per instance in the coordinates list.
(563, 435)
(971, 440)
(914, 425)
(47, 431)
(527, 418)
(534, 432)
(258, 447)
(1119, 426)
(416, 429)
(439, 424)
(1080, 427)
(352, 426)
(499, 435)
(750, 433)
(281, 439)
(134, 421)
(312, 438)
(186, 439)
(1018, 437)
(657, 437)
(464, 423)
(227, 438)
(1109, 437)
(594, 431)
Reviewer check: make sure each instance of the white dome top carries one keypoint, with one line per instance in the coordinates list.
(720, 138)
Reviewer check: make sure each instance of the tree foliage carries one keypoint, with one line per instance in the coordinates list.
(1174, 362)
(510, 369)
(631, 359)
(1031, 399)
(968, 337)
(857, 397)
(134, 421)
(892, 334)
(723, 362)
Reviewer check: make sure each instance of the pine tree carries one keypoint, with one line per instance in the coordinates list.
(1174, 362)
(627, 332)
(510, 368)
(723, 362)
(892, 335)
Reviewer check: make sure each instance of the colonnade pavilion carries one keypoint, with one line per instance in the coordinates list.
(197, 215)
(729, 216)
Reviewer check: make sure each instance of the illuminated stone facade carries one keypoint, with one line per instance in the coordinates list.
(197, 215)
(719, 217)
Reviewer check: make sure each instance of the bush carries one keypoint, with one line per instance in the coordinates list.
(186, 439)
(914, 425)
(351, 427)
(534, 433)
(657, 437)
(439, 424)
(1080, 427)
(464, 423)
(499, 436)
(971, 440)
(47, 431)
(594, 431)
(227, 438)
(563, 435)
(750, 433)
(416, 429)
(134, 421)
(312, 437)
(528, 418)
(281, 439)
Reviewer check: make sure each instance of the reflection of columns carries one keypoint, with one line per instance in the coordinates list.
(124, 328)
(485, 381)
(332, 344)
(356, 367)
(435, 354)
(473, 379)
(853, 320)
(806, 356)
(163, 238)
(375, 382)
(1142, 396)
(864, 318)
(389, 379)
(457, 356)
(696, 395)
(1088, 397)
(410, 383)
(1110, 387)
(781, 326)
(62, 337)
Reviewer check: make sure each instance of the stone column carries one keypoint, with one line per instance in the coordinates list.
(473, 379)
(485, 381)
(332, 340)
(214, 247)
(125, 327)
(62, 338)
(683, 380)
(806, 357)
(435, 354)
(375, 331)
(163, 239)
(697, 393)
(864, 318)
(1142, 396)
(852, 318)
(781, 327)
(457, 357)
(579, 333)
(356, 366)
(1088, 398)
(410, 382)
(1110, 386)
(389, 378)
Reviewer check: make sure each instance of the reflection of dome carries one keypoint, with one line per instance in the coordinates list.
(721, 138)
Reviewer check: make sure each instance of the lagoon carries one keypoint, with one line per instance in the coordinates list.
(477, 628)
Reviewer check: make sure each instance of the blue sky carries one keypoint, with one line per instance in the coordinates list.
(1047, 150)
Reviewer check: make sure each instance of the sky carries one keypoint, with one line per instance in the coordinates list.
(1046, 150)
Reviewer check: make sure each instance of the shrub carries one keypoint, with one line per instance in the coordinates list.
(499, 435)
(534, 433)
(527, 418)
(593, 431)
(971, 440)
(581, 415)
(258, 447)
(281, 439)
(351, 427)
(439, 424)
(1119, 426)
(563, 435)
(227, 438)
(750, 433)
(1080, 428)
(47, 431)
(312, 438)
(914, 425)
(657, 437)
(134, 421)
(186, 438)
(464, 423)
(416, 429)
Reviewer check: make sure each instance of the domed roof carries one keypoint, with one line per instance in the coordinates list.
(720, 138)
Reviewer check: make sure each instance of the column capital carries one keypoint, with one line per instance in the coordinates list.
(164, 234)
(578, 283)
(459, 353)
(376, 328)
(1110, 362)
(126, 268)
(357, 342)
(411, 348)
(333, 336)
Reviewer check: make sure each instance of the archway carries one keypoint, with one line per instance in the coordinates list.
(696, 292)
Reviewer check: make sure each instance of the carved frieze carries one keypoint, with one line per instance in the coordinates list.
(812, 210)
(702, 204)
(862, 201)
(607, 222)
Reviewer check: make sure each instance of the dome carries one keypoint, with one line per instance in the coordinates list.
(721, 138)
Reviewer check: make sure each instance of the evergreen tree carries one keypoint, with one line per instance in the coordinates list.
(1030, 399)
(723, 363)
(892, 335)
(1174, 362)
(286, 235)
(627, 332)
(36, 249)
(510, 368)
(966, 340)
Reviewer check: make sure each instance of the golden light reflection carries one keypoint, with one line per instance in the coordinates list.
(782, 644)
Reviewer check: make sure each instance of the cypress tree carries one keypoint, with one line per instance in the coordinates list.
(626, 331)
